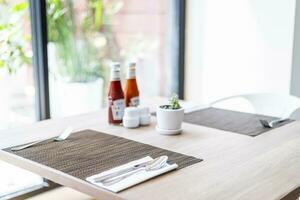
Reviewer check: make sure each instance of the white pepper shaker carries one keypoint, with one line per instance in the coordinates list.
(131, 117)
(145, 117)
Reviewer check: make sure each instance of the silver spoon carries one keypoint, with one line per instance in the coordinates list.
(158, 163)
(272, 123)
(65, 134)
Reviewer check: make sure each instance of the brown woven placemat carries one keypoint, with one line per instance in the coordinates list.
(89, 152)
(233, 121)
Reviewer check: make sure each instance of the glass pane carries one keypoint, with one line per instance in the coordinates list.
(84, 36)
(17, 97)
(17, 104)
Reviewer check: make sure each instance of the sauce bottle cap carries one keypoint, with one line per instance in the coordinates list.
(131, 64)
(131, 70)
(115, 71)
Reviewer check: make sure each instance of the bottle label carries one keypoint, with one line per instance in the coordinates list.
(134, 101)
(117, 109)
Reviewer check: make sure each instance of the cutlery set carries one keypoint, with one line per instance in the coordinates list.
(117, 176)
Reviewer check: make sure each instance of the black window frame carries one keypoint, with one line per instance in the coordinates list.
(181, 20)
(39, 31)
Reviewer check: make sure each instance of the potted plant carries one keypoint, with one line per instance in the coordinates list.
(78, 51)
(169, 117)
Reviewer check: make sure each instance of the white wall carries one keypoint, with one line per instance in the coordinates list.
(238, 46)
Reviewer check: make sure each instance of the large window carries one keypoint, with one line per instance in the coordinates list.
(84, 36)
(55, 57)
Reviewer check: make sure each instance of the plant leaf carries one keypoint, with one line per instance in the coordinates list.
(2, 63)
(98, 14)
(20, 6)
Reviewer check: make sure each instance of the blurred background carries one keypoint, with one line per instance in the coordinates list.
(55, 56)
(83, 37)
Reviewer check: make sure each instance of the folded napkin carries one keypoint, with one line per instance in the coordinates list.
(134, 179)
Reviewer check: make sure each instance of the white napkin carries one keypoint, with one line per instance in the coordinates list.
(133, 179)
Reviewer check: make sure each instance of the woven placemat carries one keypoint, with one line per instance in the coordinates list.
(233, 121)
(89, 152)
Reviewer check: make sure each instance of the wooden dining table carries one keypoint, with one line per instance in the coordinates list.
(234, 166)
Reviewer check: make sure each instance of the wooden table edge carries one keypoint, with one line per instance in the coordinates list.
(58, 177)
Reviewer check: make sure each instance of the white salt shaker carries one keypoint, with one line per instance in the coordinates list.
(145, 117)
(131, 117)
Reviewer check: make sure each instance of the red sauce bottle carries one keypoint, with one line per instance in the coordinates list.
(131, 87)
(116, 101)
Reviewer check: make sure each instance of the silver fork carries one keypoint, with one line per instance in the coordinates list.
(65, 134)
(272, 123)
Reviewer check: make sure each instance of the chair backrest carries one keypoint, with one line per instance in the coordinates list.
(262, 103)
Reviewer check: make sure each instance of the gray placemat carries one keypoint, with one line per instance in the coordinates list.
(89, 152)
(294, 195)
(233, 121)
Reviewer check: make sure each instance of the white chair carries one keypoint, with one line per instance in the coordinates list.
(262, 103)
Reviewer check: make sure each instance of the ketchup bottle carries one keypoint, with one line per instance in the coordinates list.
(115, 96)
(131, 88)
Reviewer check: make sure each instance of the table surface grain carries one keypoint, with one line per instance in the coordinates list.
(235, 166)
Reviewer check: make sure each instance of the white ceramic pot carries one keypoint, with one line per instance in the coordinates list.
(169, 119)
(72, 98)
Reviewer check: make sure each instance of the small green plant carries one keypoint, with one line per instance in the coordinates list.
(174, 102)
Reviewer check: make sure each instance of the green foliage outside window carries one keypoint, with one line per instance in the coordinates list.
(14, 51)
(84, 45)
